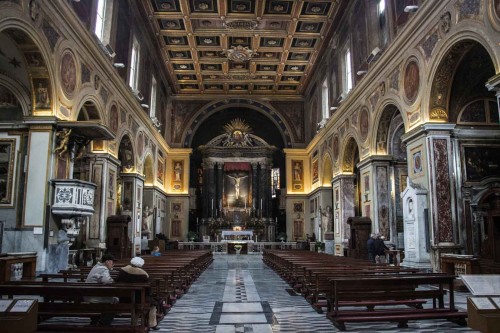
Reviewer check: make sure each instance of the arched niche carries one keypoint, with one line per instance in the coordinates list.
(350, 159)
(384, 124)
(327, 171)
(126, 154)
(460, 78)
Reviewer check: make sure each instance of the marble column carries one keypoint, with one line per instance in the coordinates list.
(344, 208)
(442, 191)
(103, 173)
(220, 182)
(133, 185)
(376, 201)
(255, 193)
(205, 204)
(209, 189)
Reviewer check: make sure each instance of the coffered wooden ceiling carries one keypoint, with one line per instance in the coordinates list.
(282, 38)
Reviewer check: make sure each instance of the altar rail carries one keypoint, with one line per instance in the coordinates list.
(253, 248)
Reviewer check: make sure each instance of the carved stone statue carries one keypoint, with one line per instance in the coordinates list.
(63, 138)
(326, 218)
(147, 221)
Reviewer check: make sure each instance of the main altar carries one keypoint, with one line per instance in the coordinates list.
(237, 240)
(235, 179)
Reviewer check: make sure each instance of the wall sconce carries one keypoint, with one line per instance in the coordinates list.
(337, 205)
(366, 196)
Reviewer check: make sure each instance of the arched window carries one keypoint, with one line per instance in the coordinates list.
(347, 71)
(134, 64)
(103, 19)
(325, 103)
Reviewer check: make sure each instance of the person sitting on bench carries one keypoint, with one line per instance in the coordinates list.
(100, 274)
(133, 273)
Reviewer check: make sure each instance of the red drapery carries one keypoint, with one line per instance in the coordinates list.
(237, 166)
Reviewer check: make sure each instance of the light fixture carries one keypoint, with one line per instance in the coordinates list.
(410, 9)
(145, 106)
(361, 73)
(333, 108)
(119, 65)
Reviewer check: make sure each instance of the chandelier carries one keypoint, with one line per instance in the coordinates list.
(239, 53)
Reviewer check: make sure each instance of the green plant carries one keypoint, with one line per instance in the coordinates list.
(319, 246)
(192, 236)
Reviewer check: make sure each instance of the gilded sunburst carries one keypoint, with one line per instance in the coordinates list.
(237, 133)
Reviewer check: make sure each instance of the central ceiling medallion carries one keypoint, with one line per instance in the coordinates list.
(240, 53)
(241, 24)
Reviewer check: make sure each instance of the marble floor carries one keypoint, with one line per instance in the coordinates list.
(241, 294)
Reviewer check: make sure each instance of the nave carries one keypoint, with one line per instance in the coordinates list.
(241, 294)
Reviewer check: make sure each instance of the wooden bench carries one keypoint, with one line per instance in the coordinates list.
(399, 290)
(68, 300)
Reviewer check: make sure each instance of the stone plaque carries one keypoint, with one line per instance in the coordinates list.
(4, 304)
(482, 285)
(482, 303)
(22, 305)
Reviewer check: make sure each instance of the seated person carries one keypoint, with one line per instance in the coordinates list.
(156, 252)
(100, 274)
(133, 273)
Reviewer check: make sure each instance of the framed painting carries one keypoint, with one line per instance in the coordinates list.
(480, 162)
(298, 207)
(297, 171)
(41, 89)
(366, 178)
(297, 175)
(160, 175)
(315, 171)
(417, 161)
(7, 161)
(177, 174)
(176, 207)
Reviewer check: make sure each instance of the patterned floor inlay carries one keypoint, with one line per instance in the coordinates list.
(226, 297)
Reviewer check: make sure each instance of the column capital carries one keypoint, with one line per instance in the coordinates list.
(427, 130)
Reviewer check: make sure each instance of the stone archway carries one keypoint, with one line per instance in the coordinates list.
(459, 96)
(464, 69)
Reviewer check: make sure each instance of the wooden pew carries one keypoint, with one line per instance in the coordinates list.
(392, 289)
(68, 300)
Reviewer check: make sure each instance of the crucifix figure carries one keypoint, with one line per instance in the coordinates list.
(236, 185)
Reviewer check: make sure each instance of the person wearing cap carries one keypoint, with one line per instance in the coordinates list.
(100, 273)
(379, 248)
(133, 273)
